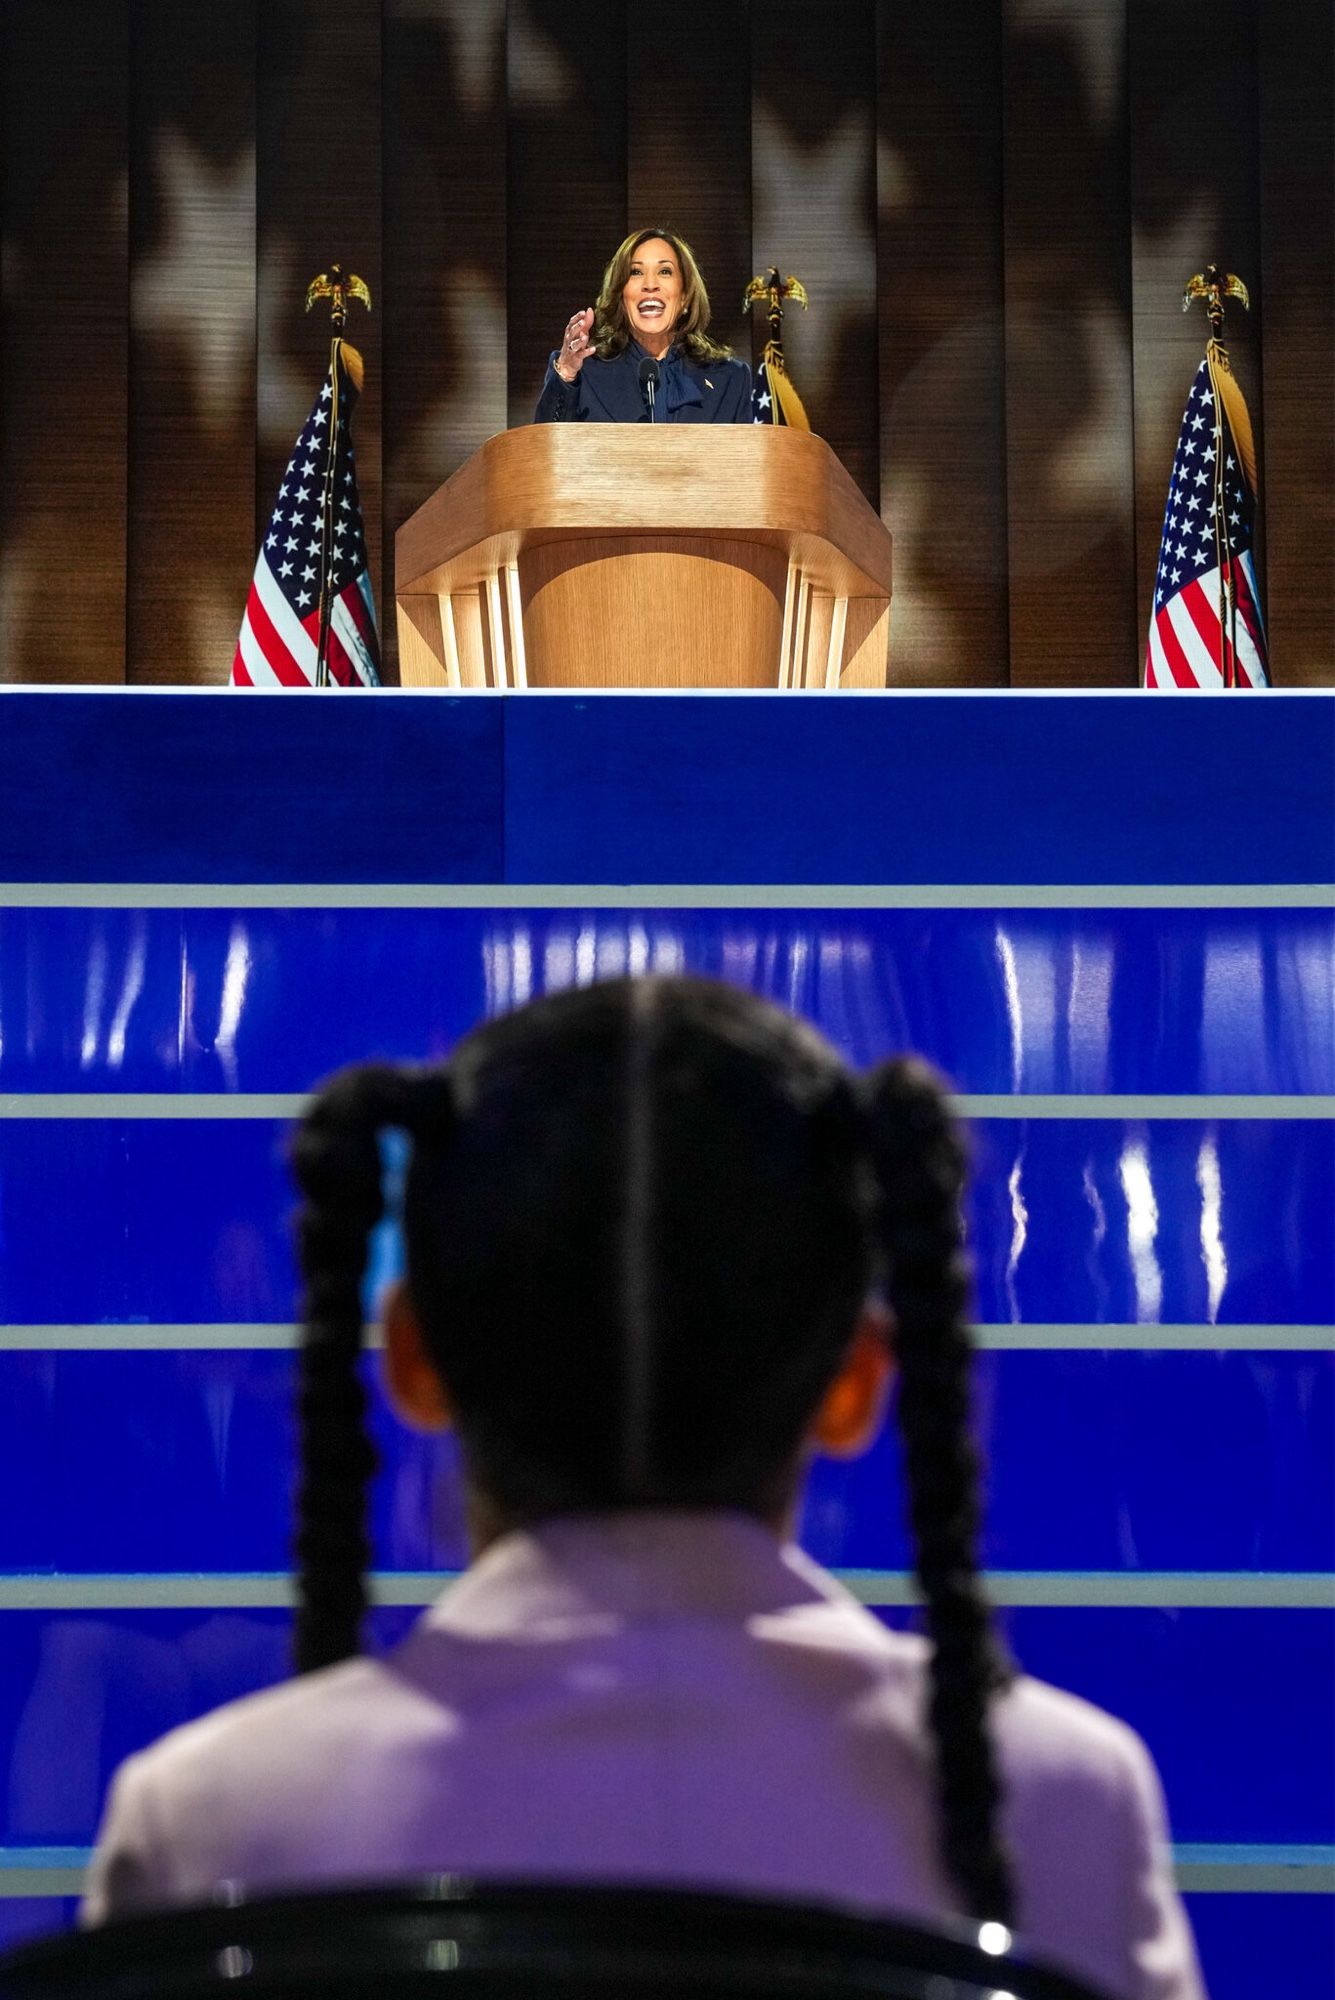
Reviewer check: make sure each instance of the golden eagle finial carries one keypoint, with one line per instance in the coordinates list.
(1214, 287)
(332, 284)
(769, 285)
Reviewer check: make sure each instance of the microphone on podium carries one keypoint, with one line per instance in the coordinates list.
(649, 383)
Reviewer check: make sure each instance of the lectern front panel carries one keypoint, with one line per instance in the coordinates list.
(668, 611)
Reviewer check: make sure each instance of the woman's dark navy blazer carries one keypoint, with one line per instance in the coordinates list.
(609, 392)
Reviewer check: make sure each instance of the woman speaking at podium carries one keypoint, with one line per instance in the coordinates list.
(642, 354)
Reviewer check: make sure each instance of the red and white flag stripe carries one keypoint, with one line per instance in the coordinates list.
(1187, 646)
(278, 649)
(275, 649)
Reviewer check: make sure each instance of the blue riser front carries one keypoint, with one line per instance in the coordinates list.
(179, 1220)
(80, 1690)
(1257, 1682)
(1060, 1000)
(664, 788)
(1097, 1461)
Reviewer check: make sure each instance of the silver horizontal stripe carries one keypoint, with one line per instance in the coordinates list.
(263, 1104)
(1052, 1589)
(155, 1104)
(1250, 1870)
(102, 1338)
(1090, 1590)
(666, 896)
(1217, 1870)
(1215, 1104)
(19, 1880)
(1156, 1339)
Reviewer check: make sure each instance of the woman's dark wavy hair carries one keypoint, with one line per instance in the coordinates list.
(641, 1219)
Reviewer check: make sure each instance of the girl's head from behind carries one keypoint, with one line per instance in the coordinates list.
(642, 1222)
(638, 1253)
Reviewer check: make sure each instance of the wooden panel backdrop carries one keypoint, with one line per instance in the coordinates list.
(189, 476)
(941, 338)
(994, 207)
(64, 317)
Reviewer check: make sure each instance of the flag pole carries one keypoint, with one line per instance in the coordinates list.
(1213, 286)
(327, 517)
(331, 285)
(771, 287)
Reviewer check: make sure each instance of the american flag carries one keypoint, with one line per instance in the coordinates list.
(765, 406)
(1195, 640)
(280, 631)
(774, 400)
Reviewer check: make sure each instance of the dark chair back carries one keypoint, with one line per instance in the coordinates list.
(520, 1941)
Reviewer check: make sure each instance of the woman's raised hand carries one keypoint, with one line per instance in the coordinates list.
(576, 346)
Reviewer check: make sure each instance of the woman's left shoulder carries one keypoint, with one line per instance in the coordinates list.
(718, 366)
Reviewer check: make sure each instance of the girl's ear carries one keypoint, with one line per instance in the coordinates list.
(853, 1407)
(412, 1381)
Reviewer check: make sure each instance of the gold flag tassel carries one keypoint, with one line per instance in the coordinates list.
(785, 403)
(334, 286)
(1231, 418)
(1227, 390)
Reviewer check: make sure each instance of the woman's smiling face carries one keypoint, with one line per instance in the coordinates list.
(652, 295)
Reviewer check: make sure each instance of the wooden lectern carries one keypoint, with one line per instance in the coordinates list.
(623, 556)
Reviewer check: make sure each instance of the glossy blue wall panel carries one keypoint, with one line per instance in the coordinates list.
(161, 787)
(1265, 1947)
(194, 1469)
(25, 1917)
(1098, 1220)
(80, 1690)
(1235, 1706)
(1060, 1000)
(161, 1221)
(1122, 1461)
(188, 1220)
(1118, 1461)
(91, 999)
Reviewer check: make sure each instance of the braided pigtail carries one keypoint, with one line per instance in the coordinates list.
(920, 1167)
(336, 1161)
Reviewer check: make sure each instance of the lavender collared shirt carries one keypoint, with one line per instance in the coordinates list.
(674, 1699)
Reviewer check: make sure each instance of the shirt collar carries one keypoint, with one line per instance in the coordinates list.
(640, 1567)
